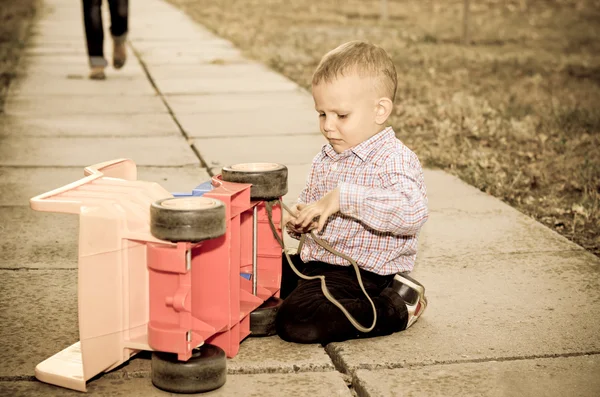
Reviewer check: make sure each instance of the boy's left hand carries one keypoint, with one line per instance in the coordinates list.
(322, 209)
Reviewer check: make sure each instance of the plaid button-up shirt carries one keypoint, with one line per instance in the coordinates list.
(383, 204)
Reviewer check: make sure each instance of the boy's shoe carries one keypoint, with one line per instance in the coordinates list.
(413, 294)
(119, 53)
(97, 73)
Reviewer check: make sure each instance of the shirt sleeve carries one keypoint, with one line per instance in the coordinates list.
(399, 206)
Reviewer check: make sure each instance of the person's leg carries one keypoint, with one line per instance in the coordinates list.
(306, 316)
(94, 34)
(119, 26)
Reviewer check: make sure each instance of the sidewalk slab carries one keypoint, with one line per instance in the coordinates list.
(52, 85)
(74, 125)
(38, 239)
(190, 73)
(66, 48)
(53, 59)
(288, 150)
(209, 78)
(211, 55)
(18, 185)
(181, 48)
(154, 32)
(319, 384)
(80, 71)
(38, 310)
(493, 307)
(270, 355)
(223, 103)
(551, 377)
(81, 152)
(251, 124)
(55, 30)
(499, 229)
(20, 105)
(467, 222)
(142, 44)
(224, 84)
(150, 28)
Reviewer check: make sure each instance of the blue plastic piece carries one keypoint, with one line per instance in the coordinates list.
(197, 191)
(247, 276)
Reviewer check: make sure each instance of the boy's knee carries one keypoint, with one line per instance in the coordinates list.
(291, 330)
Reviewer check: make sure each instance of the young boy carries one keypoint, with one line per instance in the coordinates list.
(364, 195)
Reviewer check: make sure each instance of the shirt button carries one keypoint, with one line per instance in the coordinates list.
(334, 166)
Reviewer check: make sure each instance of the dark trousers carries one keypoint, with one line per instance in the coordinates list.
(94, 32)
(306, 316)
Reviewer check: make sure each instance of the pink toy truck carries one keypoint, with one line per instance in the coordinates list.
(164, 273)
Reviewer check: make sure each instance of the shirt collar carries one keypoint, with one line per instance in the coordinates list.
(363, 149)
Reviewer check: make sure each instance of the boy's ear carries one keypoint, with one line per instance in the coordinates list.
(383, 110)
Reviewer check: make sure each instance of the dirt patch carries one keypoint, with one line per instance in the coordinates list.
(15, 16)
(516, 113)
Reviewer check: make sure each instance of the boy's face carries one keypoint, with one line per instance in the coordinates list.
(347, 108)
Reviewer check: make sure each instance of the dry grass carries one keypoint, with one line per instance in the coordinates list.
(516, 113)
(14, 18)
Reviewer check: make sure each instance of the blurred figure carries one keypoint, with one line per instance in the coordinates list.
(94, 33)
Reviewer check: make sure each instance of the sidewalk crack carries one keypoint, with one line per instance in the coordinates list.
(188, 139)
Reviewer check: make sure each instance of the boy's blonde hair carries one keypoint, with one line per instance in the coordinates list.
(366, 59)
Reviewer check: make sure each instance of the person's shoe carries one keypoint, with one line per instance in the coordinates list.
(413, 294)
(97, 73)
(119, 53)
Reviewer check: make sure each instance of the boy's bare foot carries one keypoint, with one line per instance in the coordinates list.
(97, 73)
(119, 53)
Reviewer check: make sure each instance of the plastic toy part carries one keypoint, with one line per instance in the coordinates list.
(187, 219)
(262, 320)
(268, 180)
(139, 292)
(206, 370)
(112, 274)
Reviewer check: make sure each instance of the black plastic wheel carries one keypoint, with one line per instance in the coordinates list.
(190, 219)
(269, 180)
(206, 370)
(262, 320)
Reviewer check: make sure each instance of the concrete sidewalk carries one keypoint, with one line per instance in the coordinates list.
(513, 305)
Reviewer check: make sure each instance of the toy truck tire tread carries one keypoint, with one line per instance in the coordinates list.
(269, 180)
(206, 370)
(262, 320)
(190, 219)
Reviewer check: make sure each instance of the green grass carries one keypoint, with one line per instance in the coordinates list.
(516, 113)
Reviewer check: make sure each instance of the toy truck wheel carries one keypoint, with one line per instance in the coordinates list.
(190, 219)
(262, 320)
(269, 180)
(206, 370)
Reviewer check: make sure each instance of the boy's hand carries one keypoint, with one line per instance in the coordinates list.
(322, 209)
(287, 217)
(290, 220)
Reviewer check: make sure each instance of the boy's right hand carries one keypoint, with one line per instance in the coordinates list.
(290, 221)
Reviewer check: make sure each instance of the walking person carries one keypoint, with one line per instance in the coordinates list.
(94, 33)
